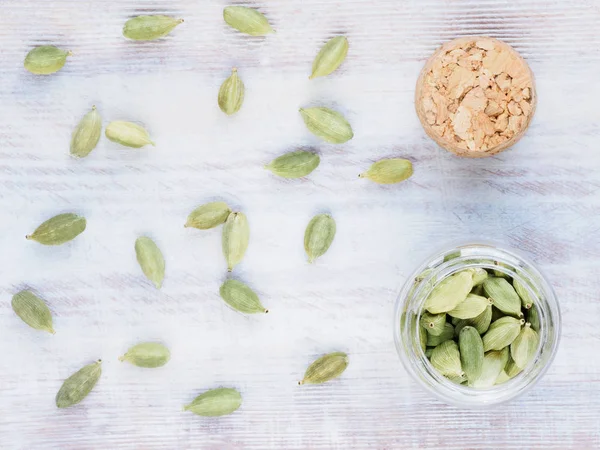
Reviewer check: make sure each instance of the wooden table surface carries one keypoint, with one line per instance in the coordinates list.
(542, 197)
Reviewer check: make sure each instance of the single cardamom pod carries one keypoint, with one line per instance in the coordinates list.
(504, 296)
(128, 134)
(502, 378)
(236, 235)
(423, 338)
(511, 368)
(151, 260)
(241, 298)
(446, 359)
(294, 164)
(447, 334)
(479, 275)
(147, 354)
(58, 230)
(149, 28)
(79, 385)
(524, 347)
(325, 368)
(482, 321)
(502, 333)
(433, 323)
(533, 317)
(33, 311)
(330, 57)
(87, 134)
(209, 215)
(493, 364)
(247, 20)
(527, 300)
(214, 403)
(46, 59)
(231, 94)
(327, 124)
(471, 352)
(389, 171)
(318, 236)
(449, 293)
(471, 307)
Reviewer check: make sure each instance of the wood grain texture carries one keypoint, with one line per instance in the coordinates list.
(542, 197)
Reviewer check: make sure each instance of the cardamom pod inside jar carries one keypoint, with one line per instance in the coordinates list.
(477, 325)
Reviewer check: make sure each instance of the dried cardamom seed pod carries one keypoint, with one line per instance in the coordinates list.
(247, 20)
(502, 333)
(236, 235)
(33, 311)
(216, 402)
(209, 215)
(433, 323)
(294, 164)
(471, 307)
(128, 134)
(325, 368)
(231, 94)
(533, 318)
(471, 352)
(330, 57)
(241, 298)
(524, 347)
(327, 124)
(147, 354)
(46, 59)
(151, 260)
(318, 236)
(87, 134)
(79, 385)
(504, 296)
(449, 293)
(149, 28)
(389, 171)
(446, 359)
(59, 229)
(482, 322)
(527, 300)
(447, 334)
(493, 364)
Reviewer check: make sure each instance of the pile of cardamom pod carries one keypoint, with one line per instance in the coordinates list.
(479, 328)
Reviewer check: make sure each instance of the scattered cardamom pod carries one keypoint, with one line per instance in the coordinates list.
(87, 134)
(231, 94)
(433, 323)
(447, 334)
(504, 296)
(533, 318)
(318, 236)
(446, 359)
(389, 171)
(247, 20)
(128, 134)
(151, 260)
(236, 235)
(79, 385)
(327, 124)
(449, 293)
(46, 59)
(147, 354)
(149, 28)
(241, 298)
(524, 347)
(209, 215)
(325, 368)
(33, 311)
(471, 307)
(493, 364)
(214, 403)
(59, 229)
(526, 298)
(294, 164)
(502, 333)
(471, 352)
(330, 57)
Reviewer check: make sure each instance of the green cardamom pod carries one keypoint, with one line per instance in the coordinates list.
(533, 317)
(151, 260)
(231, 94)
(241, 298)
(389, 171)
(327, 124)
(433, 323)
(325, 368)
(471, 352)
(493, 364)
(294, 164)
(502, 378)
(58, 230)
(481, 323)
(147, 354)
(504, 296)
(128, 134)
(423, 338)
(527, 300)
(33, 311)
(247, 20)
(46, 59)
(449, 293)
(214, 403)
(318, 236)
(479, 275)
(502, 333)
(236, 235)
(447, 334)
(330, 57)
(524, 347)
(511, 368)
(87, 134)
(79, 385)
(209, 215)
(446, 359)
(148, 28)
(470, 307)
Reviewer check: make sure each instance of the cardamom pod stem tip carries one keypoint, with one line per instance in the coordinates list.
(122, 358)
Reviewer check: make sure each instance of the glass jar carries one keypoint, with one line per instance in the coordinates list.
(410, 305)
